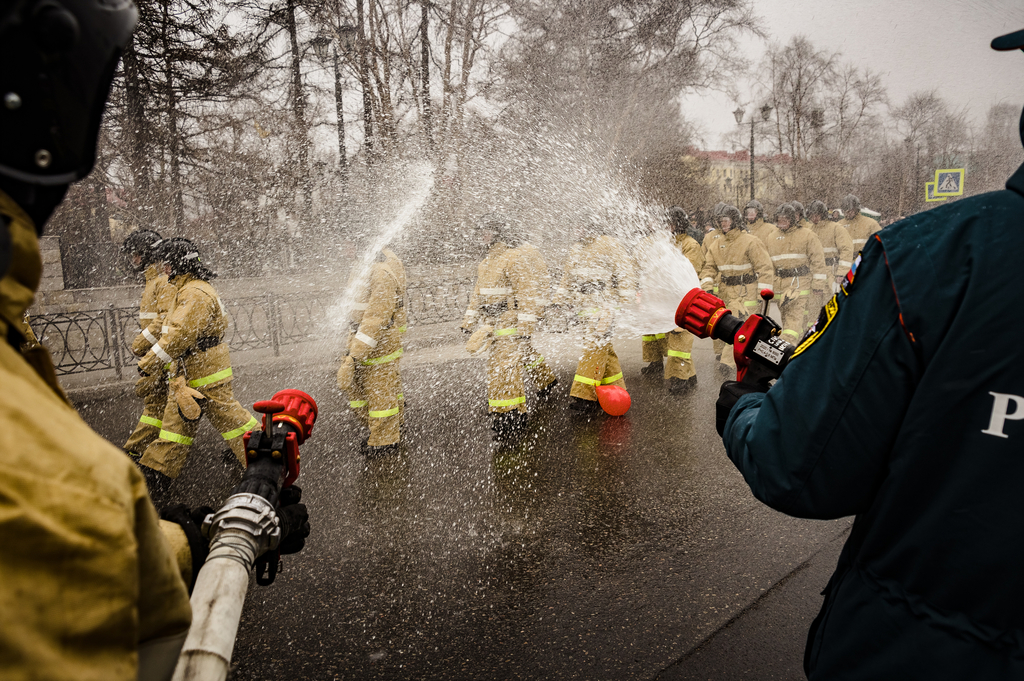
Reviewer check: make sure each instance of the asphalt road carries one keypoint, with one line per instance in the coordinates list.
(610, 548)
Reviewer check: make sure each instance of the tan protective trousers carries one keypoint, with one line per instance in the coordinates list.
(536, 367)
(654, 346)
(376, 398)
(742, 301)
(599, 365)
(794, 316)
(231, 419)
(679, 346)
(505, 388)
(153, 391)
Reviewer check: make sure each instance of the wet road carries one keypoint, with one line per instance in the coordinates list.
(608, 548)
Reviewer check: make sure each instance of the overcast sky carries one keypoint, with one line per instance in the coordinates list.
(914, 44)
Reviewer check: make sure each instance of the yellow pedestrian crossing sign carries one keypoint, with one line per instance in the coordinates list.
(929, 193)
(949, 182)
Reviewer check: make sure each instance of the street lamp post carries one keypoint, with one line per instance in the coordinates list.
(347, 36)
(766, 111)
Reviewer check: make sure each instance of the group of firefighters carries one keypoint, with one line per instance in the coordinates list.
(799, 257)
(186, 370)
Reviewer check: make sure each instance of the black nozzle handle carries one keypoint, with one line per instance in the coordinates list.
(726, 328)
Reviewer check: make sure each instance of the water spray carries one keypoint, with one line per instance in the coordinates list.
(244, 533)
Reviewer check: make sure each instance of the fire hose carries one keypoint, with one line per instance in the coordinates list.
(245, 533)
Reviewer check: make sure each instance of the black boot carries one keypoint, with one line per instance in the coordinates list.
(681, 386)
(157, 483)
(508, 426)
(653, 370)
(545, 392)
(376, 451)
(584, 407)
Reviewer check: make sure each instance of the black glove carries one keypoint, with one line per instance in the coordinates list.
(191, 522)
(728, 396)
(294, 521)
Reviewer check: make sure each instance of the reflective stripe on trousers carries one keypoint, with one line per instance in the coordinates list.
(232, 434)
(150, 421)
(382, 360)
(507, 403)
(603, 381)
(657, 336)
(212, 378)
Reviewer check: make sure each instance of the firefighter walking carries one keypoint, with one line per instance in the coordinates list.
(597, 282)
(756, 225)
(200, 378)
(740, 262)
(504, 309)
(837, 248)
(799, 269)
(141, 251)
(860, 227)
(370, 372)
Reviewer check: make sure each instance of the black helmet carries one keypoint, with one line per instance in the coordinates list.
(733, 213)
(850, 206)
(58, 59)
(143, 243)
(817, 208)
(717, 210)
(677, 219)
(756, 205)
(183, 258)
(787, 211)
(799, 208)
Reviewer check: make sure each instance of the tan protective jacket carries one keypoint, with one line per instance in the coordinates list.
(799, 263)
(762, 230)
(489, 275)
(689, 247)
(383, 316)
(741, 264)
(836, 245)
(87, 577)
(197, 320)
(157, 299)
(860, 228)
(600, 275)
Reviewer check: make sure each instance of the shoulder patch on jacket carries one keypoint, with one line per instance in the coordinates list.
(848, 279)
(825, 317)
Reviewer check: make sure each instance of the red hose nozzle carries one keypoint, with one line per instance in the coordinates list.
(699, 312)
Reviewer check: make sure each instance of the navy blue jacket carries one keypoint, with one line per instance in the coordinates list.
(905, 408)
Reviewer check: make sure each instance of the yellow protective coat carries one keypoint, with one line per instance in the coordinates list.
(197, 314)
(741, 264)
(837, 248)
(860, 228)
(509, 297)
(796, 250)
(86, 574)
(599, 280)
(762, 230)
(376, 350)
(157, 298)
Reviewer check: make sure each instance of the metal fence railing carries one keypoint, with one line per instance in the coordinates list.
(96, 340)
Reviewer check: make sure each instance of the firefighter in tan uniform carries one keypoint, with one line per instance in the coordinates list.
(837, 249)
(598, 282)
(90, 586)
(799, 269)
(200, 381)
(743, 267)
(370, 372)
(157, 297)
(711, 238)
(680, 375)
(537, 282)
(756, 225)
(503, 312)
(652, 345)
(860, 227)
